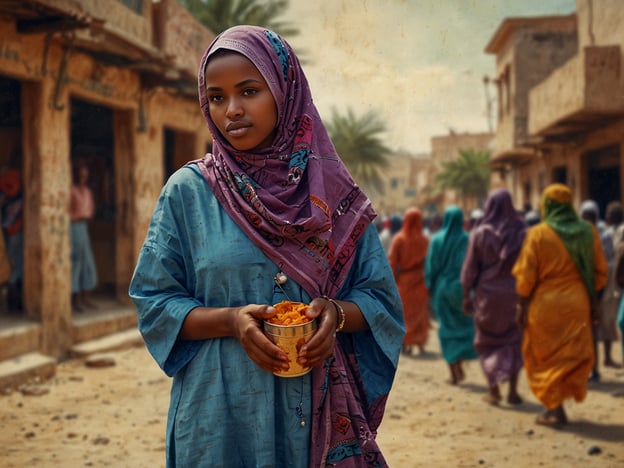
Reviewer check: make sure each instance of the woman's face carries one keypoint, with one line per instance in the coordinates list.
(240, 102)
(83, 175)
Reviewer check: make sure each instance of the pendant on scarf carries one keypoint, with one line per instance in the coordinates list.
(280, 278)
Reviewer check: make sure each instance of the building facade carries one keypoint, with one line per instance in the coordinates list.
(403, 180)
(561, 103)
(111, 84)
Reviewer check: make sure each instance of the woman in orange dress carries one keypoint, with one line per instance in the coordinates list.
(407, 260)
(559, 273)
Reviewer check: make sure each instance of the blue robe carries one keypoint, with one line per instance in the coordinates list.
(225, 410)
(443, 266)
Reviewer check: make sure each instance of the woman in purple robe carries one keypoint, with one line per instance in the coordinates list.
(490, 293)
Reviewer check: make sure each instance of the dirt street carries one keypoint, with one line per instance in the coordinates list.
(115, 416)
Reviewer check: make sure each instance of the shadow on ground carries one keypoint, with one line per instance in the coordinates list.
(595, 430)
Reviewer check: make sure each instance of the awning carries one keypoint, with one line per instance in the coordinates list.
(514, 156)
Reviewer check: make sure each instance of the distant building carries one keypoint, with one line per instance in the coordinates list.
(447, 148)
(400, 183)
(561, 103)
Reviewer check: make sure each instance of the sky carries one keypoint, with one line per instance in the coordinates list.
(418, 64)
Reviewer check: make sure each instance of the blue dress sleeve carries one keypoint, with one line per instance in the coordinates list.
(160, 284)
(370, 284)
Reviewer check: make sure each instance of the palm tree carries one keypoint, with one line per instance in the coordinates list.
(219, 15)
(469, 175)
(359, 143)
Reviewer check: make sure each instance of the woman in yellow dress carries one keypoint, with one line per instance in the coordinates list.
(560, 273)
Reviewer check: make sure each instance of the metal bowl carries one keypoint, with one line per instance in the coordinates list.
(290, 338)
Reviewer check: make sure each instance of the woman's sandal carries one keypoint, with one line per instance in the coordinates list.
(492, 399)
(550, 419)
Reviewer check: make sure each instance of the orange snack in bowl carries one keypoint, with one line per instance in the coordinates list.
(289, 313)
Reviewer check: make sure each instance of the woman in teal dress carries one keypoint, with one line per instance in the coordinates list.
(272, 213)
(442, 274)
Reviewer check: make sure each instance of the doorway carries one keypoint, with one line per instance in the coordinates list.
(178, 149)
(11, 197)
(92, 144)
(603, 176)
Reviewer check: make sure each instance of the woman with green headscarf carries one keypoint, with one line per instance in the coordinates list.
(559, 273)
(443, 266)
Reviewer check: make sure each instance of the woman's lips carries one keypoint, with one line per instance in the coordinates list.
(237, 129)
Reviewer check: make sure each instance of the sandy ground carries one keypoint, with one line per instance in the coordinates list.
(115, 416)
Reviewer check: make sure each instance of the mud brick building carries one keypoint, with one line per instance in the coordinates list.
(111, 83)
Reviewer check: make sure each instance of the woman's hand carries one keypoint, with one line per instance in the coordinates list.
(247, 329)
(467, 306)
(321, 345)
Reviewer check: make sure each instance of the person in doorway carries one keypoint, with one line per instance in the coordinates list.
(490, 293)
(11, 200)
(289, 223)
(590, 212)
(559, 275)
(407, 260)
(443, 265)
(82, 209)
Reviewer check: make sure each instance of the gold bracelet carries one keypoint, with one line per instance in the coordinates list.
(340, 311)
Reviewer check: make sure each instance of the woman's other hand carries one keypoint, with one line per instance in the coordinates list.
(247, 329)
(321, 345)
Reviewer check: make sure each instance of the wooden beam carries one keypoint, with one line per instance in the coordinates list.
(49, 25)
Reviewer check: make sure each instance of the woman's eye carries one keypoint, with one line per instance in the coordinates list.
(249, 92)
(215, 98)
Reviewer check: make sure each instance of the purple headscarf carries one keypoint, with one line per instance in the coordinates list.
(295, 199)
(501, 216)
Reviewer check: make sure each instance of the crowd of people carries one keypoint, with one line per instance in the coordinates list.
(537, 291)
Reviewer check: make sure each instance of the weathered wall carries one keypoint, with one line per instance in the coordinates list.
(504, 117)
(600, 22)
(538, 53)
(179, 35)
(164, 111)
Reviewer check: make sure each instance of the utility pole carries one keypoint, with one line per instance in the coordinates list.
(488, 103)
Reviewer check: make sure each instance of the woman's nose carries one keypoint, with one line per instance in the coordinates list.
(234, 108)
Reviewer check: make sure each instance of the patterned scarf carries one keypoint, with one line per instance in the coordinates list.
(295, 199)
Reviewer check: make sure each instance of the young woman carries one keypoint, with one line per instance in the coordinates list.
(407, 260)
(273, 203)
(443, 265)
(559, 273)
(490, 294)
